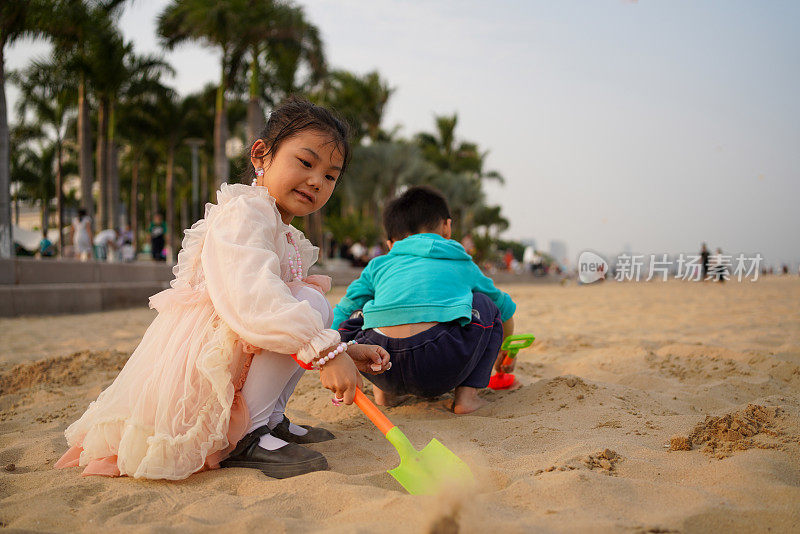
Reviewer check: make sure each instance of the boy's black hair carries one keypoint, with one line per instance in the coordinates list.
(420, 208)
(293, 116)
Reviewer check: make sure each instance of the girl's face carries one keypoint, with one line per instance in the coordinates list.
(302, 173)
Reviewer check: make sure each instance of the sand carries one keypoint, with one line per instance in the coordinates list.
(660, 407)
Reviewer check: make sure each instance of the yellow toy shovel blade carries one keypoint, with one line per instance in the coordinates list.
(424, 472)
(431, 470)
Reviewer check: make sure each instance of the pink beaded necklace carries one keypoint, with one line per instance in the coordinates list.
(297, 274)
(295, 269)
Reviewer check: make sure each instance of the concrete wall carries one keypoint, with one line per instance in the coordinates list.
(48, 287)
(23, 271)
(7, 272)
(54, 299)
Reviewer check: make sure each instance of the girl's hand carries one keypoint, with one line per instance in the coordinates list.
(341, 376)
(370, 359)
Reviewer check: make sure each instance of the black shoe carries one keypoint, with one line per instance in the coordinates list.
(288, 461)
(314, 434)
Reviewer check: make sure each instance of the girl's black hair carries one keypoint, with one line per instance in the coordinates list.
(293, 116)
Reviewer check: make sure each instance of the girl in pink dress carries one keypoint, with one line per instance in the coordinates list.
(208, 383)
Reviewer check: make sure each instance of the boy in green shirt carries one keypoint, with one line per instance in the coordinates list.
(427, 303)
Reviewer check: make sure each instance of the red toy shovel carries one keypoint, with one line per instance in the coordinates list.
(513, 344)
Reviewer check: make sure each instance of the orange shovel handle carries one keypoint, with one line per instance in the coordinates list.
(508, 360)
(372, 411)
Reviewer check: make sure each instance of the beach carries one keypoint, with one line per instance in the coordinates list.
(643, 407)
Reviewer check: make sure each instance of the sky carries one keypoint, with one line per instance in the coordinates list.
(647, 126)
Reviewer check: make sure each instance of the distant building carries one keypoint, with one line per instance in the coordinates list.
(558, 250)
(529, 243)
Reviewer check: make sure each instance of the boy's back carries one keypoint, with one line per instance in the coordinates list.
(424, 278)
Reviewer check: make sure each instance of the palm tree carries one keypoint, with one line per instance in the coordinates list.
(150, 159)
(135, 121)
(441, 149)
(48, 93)
(106, 55)
(69, 49)
(29, 171)
(198, 122)
(133, 105)
(282, 44)
(74, 25)
(34, 163)
(462, 171)
(361, 100)
(215, 23)
(491, 220)
(465, 196)
(376, 172)
(23, 166)
(177, 120)
(18, 19)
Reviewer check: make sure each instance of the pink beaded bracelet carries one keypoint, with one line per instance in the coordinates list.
(332, 354)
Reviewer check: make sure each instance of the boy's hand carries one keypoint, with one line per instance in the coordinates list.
(341, 376)
(370, 359)
(508, 329)
(498, 364)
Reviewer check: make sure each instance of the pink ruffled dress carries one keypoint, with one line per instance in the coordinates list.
(175, 408)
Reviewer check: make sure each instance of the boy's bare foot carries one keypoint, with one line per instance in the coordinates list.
(382, 398)
(467, 400)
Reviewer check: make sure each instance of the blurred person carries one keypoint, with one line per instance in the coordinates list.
(333, 248)
(105, 245)
(344, 249)
(527, 258)
(508, 259)
(537, 264)
(158, 232)
(375, 251)
(469, 244)
(717, 269)
(125, 244)
(82, 235)
(46, 248)
(704, 255)
(358, 252)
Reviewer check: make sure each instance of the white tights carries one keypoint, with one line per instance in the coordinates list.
(272, 378)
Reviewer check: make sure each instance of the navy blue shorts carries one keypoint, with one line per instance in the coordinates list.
(439, 359)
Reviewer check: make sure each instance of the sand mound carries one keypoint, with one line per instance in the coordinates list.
(735, 431)
(680, 443)
(604, 462)
(63, 371)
